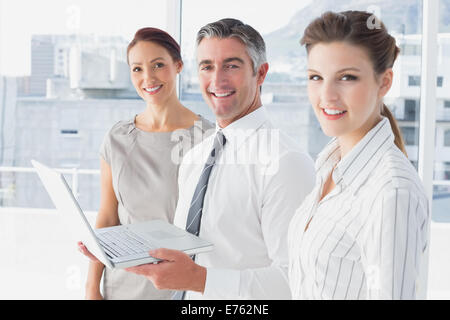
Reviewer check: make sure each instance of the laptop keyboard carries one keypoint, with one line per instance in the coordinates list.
(118, 243)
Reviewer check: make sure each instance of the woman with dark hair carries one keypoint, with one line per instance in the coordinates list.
(140, 158)
(362, 232)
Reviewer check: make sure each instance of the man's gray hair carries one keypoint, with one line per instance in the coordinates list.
(233, 28)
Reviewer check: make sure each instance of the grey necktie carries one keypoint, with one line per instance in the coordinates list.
(196, 208)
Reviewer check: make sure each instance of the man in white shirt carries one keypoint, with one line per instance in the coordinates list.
(257, 180)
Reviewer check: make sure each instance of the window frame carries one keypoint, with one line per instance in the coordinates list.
(427, 118)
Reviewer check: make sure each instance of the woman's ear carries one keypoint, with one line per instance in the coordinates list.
(386, 82)
(179, 66)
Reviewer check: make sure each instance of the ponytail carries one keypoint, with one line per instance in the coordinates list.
(399, 142)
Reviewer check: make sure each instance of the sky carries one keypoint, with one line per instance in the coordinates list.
(19, 19)
(264, 15)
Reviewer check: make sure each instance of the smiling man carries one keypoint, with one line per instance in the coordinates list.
(242, 204)
(228, 81)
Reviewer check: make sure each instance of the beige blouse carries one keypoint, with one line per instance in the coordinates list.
(144, 168)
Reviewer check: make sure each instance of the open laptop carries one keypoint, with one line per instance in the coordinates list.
(120, 246)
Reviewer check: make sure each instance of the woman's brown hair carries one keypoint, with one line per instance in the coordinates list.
(358, 28)
(159, 37)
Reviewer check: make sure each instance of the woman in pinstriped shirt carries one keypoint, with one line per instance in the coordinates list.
(362, 232)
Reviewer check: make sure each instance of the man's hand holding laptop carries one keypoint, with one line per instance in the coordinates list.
(176, 271)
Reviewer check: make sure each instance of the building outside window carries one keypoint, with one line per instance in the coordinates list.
(447, 104)
(410, 135)
(414, 81)
(411, 110)
(447, 138)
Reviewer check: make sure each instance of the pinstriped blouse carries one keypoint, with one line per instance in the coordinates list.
(367, 237)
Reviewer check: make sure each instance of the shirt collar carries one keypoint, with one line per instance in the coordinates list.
(131, 124)
(237, 132)
(357, 165)
(328, 155)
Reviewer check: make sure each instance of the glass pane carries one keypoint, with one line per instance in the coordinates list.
(441, 194)
(284, 90)
(64, 82)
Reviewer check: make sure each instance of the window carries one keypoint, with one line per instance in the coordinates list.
(285, 85)
(411, 49)
(447, 170)
(414, 81)
(62, 60)
(411, 110)
(45, 107)
(410, 136)
(442, 157)
(283, 91)
(59, 59)
(447, 138)
(441, 185)
(69, 132)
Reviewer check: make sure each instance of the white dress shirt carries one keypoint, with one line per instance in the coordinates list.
(258, 181)
(366, 237)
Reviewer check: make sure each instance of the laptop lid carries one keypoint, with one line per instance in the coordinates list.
(66, 204)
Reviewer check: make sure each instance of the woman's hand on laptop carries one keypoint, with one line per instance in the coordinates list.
(82, 248)
(177, 271)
